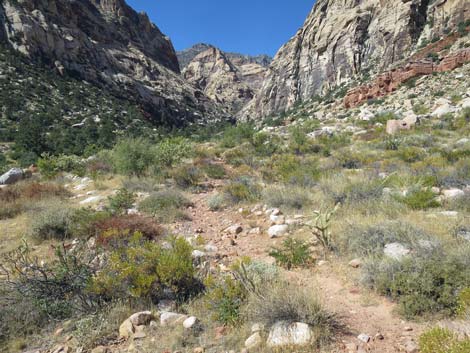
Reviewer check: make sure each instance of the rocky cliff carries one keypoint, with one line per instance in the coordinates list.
(107, 43)
(345, 39)
(231, 82)
(187, 55)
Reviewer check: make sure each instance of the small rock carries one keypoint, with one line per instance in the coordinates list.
(278, 230)
(356, 263)
(256, 230)
(396, 251)
(257, 328)
(190, 322)
(277, 219)
(379, 337)
(197, 254)
(235, 229)
(100, 349)
(408, 328)
(363, 338)
(198, 350)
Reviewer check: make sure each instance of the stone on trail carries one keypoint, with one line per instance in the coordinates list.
(284, 333)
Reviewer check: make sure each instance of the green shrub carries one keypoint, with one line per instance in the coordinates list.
(186, 176)
(292, 253)
(441, 340)
(419, 199)
(132, 156)
(225, 297)
(370, 240)
(236, 135)
(284, 301)
(294, 170)
(214, 171)
(145, 269)
(463, 308)
(287, 197)
(242, 189)
(121, 201)
(264, 144)
(52, 222)
(172, 151)
(166, 206)
(427, 282)
(216, 202)
(50, 166)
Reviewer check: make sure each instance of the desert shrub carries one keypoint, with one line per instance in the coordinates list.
(427, 282)
(463, 306)
(284, 301)
(145, 269)
(166, 206)
(224, 298)
(52, 222)
(213, 171)
(362, 191)
(121, 201)
(294, 170)
(292, 253)
(132, 156)
(442, 340)
(264, 144)
(236, 135)
(321, 227)
(410, 154)
(370, 240)
(239, 155)
(216, 202)
(141, 184)
(118, 230)
(35, 293)
(287, 197)
(186, 176)
(83, 221)
(50, 166)
(242, 189)
(419, 199)
(172, 151)
(299, 142)
(22, 196)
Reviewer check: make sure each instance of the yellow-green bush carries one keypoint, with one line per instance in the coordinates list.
(441, 340)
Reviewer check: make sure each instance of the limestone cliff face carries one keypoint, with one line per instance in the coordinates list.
(109, 44)
(342, 39)
(231, 83)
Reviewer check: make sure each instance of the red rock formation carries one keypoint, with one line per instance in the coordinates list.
(391, 80)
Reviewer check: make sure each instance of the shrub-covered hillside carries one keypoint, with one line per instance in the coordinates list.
(42, 111)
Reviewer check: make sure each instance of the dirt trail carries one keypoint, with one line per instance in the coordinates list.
(360, 310)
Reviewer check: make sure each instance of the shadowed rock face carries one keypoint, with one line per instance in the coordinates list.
(342, 39)
(109, 44)
(232, 83)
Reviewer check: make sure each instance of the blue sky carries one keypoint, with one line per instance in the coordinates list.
(245, 26)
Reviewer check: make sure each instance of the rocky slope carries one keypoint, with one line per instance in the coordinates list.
(229, 81)
(343, 40)
(187, 55)
(109, 44)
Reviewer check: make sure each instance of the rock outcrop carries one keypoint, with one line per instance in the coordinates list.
(108, 44)
(187, 55)
(392, 80)
(344, 39)
(231, 83)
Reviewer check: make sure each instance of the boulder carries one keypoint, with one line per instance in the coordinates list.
(443, 110)
(253, 341)
(278, 230)
(451, 194)
(235, 229)
(284, 333)
(396, 251)
(12, 176)
(126, 329)
(394, 126)
(141, 318)
(171, 319)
